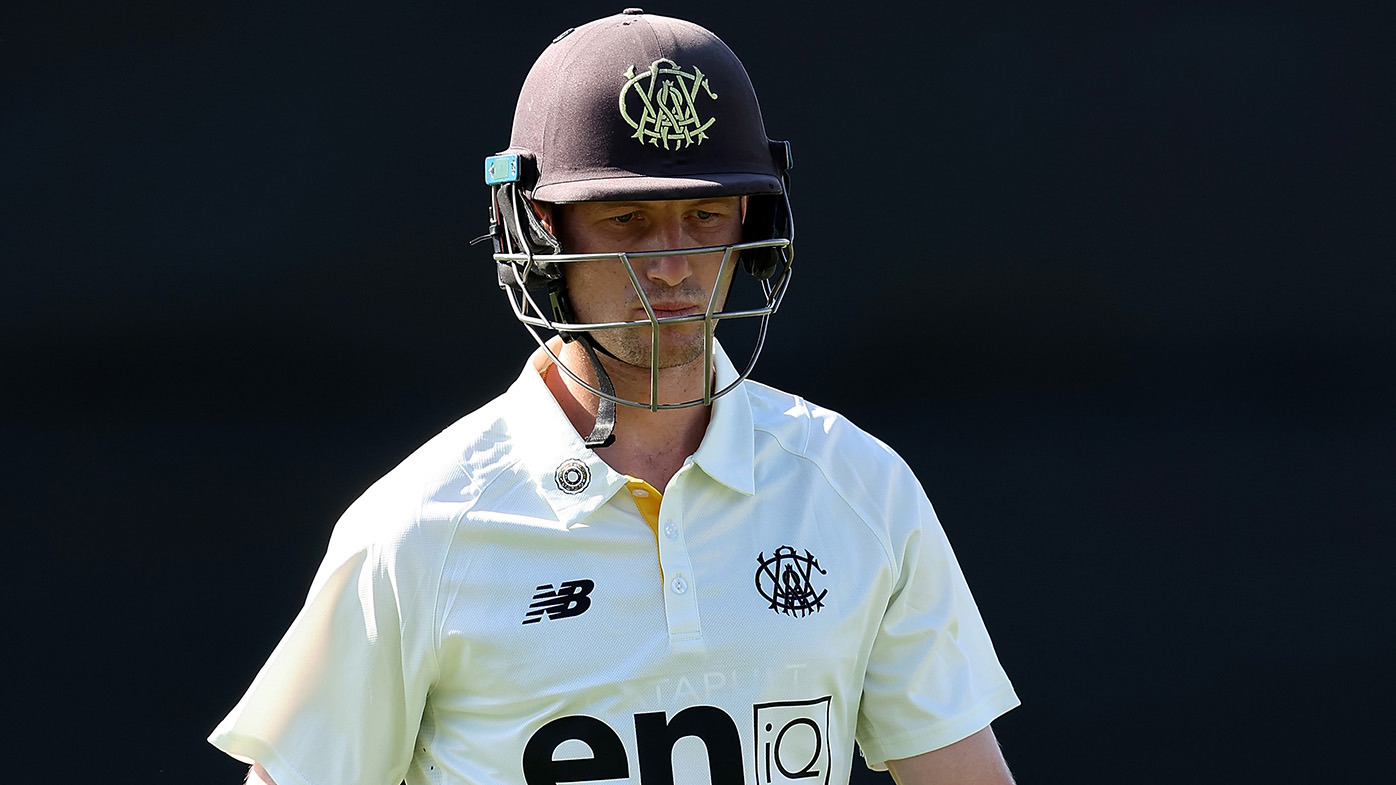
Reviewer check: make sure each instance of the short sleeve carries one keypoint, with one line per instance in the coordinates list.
(933, 677)
(340, 700)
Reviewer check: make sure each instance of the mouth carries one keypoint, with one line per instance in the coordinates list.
(668, 310)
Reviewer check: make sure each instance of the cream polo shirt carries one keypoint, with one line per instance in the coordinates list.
(497, 610)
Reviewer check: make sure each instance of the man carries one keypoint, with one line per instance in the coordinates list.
(635, 565)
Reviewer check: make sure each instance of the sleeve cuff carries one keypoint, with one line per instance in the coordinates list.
(911, 743)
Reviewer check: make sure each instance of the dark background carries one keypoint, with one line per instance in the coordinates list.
(1115, 278)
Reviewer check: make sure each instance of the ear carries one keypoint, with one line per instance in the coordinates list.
(544, 211)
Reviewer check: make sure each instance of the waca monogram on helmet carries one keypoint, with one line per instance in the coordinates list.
(670, 114)
(637, 107)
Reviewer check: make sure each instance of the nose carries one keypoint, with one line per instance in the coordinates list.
(670, 270)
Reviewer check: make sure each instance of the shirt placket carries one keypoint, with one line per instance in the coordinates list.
(665, 516)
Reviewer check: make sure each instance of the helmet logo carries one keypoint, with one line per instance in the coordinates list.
(666, 98)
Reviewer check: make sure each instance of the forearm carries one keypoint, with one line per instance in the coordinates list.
(975, 760)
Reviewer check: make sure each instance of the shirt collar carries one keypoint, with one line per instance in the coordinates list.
(568, 474)
(576, 482)
(728, 450)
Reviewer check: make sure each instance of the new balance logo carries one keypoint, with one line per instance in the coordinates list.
(567, 600)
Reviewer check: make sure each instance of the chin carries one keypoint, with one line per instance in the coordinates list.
(669, 357)
(675, 348)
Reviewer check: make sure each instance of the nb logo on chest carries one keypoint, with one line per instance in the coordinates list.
(570, 598)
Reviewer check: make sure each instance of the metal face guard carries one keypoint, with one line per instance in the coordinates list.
(535, 315)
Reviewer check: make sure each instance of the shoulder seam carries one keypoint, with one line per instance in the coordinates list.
(801, 455)
(457, 521)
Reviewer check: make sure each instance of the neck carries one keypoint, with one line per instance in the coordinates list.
(651, 445)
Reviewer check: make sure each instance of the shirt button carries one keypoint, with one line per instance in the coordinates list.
(640, 493)
(671, 531)
(680, 585)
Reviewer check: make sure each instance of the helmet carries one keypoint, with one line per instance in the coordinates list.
(636, 107)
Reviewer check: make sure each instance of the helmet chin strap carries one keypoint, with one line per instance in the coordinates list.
(602, 433)
(603, 430)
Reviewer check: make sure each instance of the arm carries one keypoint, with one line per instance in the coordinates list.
(975, 760)
(258, 776)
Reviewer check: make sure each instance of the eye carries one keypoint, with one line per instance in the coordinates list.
(623, 219)
(704, 215)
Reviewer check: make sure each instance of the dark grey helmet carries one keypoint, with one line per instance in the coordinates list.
(636, 107)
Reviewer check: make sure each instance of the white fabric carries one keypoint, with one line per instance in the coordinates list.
(411, 657)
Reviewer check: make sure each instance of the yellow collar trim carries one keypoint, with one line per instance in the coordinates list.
(647, 501)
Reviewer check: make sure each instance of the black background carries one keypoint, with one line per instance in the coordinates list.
(1115, 278)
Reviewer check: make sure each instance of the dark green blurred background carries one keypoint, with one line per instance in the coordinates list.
(1114, 277)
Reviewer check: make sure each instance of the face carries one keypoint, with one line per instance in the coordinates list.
(601, 291)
